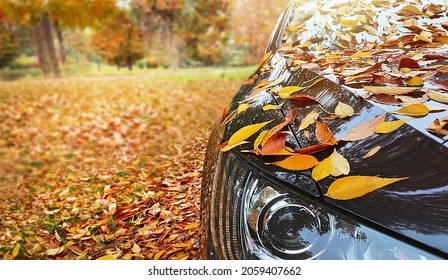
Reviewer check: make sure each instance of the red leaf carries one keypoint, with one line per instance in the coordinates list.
(434, 56)
(313, 149)
(301, 100)
(408, 63)
(442, 84)
(274, 144)
(387, 81)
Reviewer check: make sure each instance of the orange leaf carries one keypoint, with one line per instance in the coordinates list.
(439, 126)
(297, 162)
(324, 135)
(356, 186)
(313, 149)
(365, 129)
(289, 118)
(372, 152)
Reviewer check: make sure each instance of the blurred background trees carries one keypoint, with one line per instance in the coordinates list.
(60, 37)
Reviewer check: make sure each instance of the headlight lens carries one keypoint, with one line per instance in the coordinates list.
(253, 217)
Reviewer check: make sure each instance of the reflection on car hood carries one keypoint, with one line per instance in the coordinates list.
(416, 207)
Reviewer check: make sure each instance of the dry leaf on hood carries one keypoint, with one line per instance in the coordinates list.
(309, 119)
(297, 162)
(439, 126)
(387, 127)
(356, 186)
(365, 129)
(372, 152)
(324, 135)
(413, 110)
(343, 110)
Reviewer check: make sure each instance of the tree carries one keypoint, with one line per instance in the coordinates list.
(205, 29)
(252, 24)
(119, 42)
(9, 42)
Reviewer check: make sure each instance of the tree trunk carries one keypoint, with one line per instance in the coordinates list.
(39, 43)
(61, 42)
(46, 24)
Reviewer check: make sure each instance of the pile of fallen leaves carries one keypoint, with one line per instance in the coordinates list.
(105, 167)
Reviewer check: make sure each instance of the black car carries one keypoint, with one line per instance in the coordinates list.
(336, 147)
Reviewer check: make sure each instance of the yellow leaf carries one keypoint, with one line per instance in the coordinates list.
(264, 59)
(344, 110)
(415, 82)
(287, 91)
(413, 110)
(341, 166)
(356, 186)
(308, 119)
(136, 249)
(409, 10)
(271, 107)
(438, 96)
(387, 127)
(245, 132)
(242, 108)
(349, 23)
(323, 169)
(55, 251)
(259, 138)
(388, 90)
(424, 36)
(361, 54)
(229, 147)
(159, 254)
(16, 250)
(107, 258)
(297, 162)
(372, 152)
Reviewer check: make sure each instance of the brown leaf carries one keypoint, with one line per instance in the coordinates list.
(324, 135)
(301, 100)
(365, 129)
(289, 119)
(312, 149)
(408, 63)
(385, 99)
(442, 84)
(439, 126)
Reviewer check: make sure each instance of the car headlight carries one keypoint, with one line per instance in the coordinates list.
(252, 216)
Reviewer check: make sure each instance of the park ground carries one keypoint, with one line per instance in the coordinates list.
(107, 167)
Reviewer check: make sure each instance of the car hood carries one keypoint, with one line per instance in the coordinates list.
(416, 208)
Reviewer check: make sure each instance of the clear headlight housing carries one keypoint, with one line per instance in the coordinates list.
(255, 217)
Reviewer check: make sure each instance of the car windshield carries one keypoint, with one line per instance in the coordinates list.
(342, 24)
(393, 53)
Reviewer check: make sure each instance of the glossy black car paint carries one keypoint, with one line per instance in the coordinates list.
(414, 210)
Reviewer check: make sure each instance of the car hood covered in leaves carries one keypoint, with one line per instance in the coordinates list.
(415, 207)
(363, 130)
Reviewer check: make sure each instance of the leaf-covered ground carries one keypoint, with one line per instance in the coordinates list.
(105, 167)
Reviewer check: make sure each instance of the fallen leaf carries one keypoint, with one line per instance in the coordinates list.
(242, 108)
(264, 59)
(409, 10)
(289, 119)
(15, 251)
(343, 110)
(158, 255)
(245, 132)
(365, 129)
(442, 84)
(297, 162)
(228, 147)
(356, 186)
(415, 82)
(438, 96)
(274, 144)
(271, 107)
(385, 99)
(107, 258)
(413, 110)
(407, 62)
(309, 119)
(361, 54)
(285, 92)
(301, 100)
(439, 126)
(324, 135)
(312, 149)
(259, 138)
(341, 166)
(388, 90)
(386, 127)
(372, 152)
(323, 169)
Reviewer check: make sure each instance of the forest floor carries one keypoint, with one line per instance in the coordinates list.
(107, 167)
